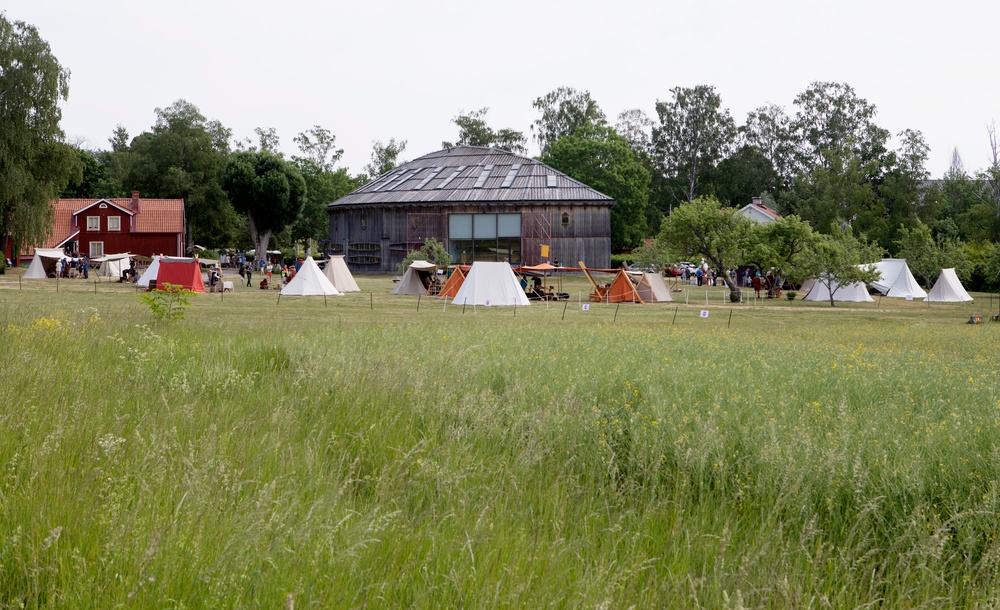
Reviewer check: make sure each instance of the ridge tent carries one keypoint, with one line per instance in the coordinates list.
(112, 265)
(450, 288)
(339, 275)
(182, 272)
(653, 289)
(491, 284)
(413, 281)
(853, 293)
(622, 290)
(948, 289)
(43, 263)
(309, 281)
(896, 280)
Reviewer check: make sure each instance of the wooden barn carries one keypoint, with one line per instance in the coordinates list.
(96, 227)
(483, 204)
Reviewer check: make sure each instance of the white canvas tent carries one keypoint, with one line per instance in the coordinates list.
(948, 289)
(653, 289)
(412, 282)
(112, 265)
(44, 262)
(309, 281)
(339, 275)
(854, 293)
(896, 280)
(491, 284)
(150, 273)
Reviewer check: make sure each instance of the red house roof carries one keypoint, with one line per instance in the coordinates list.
(150, 216)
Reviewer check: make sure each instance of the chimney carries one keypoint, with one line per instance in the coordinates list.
(135, 202)
(756, 200)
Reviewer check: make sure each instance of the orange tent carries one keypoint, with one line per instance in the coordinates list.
(622, 290)
(450, 288)
(180, 273)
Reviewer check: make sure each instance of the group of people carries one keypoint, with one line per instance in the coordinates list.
(269, 269)
(71, 268)
(767, 283)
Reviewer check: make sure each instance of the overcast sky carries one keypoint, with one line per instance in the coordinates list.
(379, 69)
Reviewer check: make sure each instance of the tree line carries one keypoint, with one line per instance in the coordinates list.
(824, 160)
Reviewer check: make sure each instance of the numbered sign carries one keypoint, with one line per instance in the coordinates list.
(585, 307)
(704, 313)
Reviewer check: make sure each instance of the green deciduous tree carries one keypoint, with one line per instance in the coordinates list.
(694, 133)
(840, 259)
(702, 228)
(319, 145)
(384, 158)
(95, 180)
(831, 116)
(473, 131)
(563, 112)
(603, 160)
(183, 157)
(324, 183)
(769, 130)
(782, 246)
(432, 251)
(35, 164)
(269, 190)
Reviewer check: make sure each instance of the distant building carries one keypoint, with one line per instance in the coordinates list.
(96, 227)
(483, 204)
(759, 212)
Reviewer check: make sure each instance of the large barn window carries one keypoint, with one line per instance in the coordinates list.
(484, 237)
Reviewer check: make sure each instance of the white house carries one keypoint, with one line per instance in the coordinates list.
(759, 212)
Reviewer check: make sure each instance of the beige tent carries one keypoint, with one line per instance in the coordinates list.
(112, 265)
(414, 281)
(339, 275)
(653, 289)
(44, 262)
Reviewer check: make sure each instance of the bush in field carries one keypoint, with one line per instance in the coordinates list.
(167, 303)
(432, 250)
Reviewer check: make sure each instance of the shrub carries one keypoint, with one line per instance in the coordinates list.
(790, 295)
(167, 303)
(432, 251)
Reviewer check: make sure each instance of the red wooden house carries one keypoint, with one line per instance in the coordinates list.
(96, 227)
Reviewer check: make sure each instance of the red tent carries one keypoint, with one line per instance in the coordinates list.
(186, 274)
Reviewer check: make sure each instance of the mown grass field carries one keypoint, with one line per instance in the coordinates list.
(364, 453)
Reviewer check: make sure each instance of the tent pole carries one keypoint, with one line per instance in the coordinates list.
(418, 302)
(675, 315)
(616, 313)
(371, 301)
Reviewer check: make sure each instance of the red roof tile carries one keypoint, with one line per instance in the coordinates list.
(153, 216)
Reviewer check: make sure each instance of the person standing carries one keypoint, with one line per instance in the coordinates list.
(249, 274)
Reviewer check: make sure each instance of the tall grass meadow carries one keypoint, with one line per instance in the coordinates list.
(363, 453)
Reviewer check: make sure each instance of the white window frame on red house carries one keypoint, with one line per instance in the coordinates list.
(93, 223)
(114, 223)
(96, 249)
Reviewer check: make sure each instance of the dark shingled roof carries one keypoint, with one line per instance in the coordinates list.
(472, 174)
